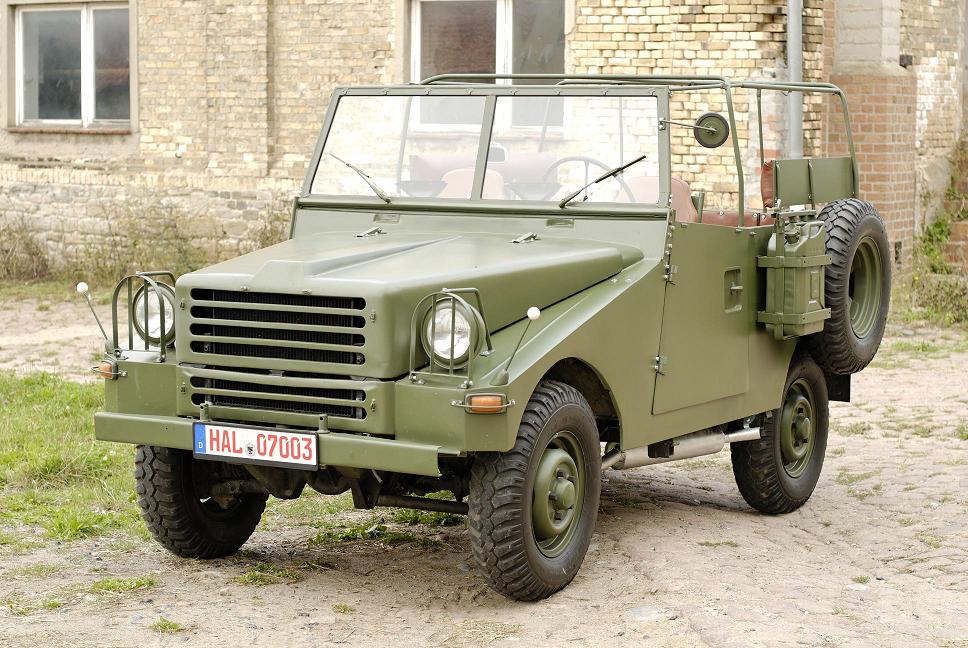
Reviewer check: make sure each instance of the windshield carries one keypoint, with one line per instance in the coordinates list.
(540, 148)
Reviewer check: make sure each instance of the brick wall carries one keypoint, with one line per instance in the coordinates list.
(232, 95)
(738, 40)
(933, 34)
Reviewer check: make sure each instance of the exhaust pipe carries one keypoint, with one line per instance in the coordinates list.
(687, 446)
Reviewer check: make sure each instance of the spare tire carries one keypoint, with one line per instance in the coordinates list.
(857, 287)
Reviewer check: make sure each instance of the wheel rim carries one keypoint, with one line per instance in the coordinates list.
(864, 288)
(559, 488)
(797, 428)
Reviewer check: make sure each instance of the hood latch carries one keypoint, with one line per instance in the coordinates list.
(530, 236)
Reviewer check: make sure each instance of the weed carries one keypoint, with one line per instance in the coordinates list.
(362, 531)
(855, 429)
(36, 570)
(846, 478)
(267, 574)
(962, 431)
(861, 580)
(22, 253)
(22, 607)
(721, 543)
(907, 522)
(166, 626)
(343, 608)
(922, 346)
(838, 452)
(429, 518)
(121, 585)
(922, 431)
(929, 539)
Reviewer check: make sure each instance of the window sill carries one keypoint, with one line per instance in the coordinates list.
(67, 130)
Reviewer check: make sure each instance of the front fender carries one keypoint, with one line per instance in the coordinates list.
(612, 326)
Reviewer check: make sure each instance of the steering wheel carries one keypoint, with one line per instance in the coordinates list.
(589, 162)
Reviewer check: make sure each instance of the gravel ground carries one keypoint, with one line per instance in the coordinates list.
(878, 557)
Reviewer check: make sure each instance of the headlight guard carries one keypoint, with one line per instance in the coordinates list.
(451, 330)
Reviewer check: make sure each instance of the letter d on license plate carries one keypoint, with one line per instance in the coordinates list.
(272, 447)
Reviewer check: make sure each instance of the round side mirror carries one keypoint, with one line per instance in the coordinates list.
(711, 130)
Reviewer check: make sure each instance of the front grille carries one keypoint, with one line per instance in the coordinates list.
(228, 387)
(257, 325)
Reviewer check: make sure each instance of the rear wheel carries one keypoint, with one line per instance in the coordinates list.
(778, 472)
(173, 495)
(533, 508)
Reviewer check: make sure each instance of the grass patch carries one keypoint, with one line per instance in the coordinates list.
(861, 580)
(847, 478)
(343, 608)
(962, 432)
(22, 607)
(122, 585)
(921, 346)
(362, 531)
(721, 543)
(37, 570)
(933, 541)
(53, 474)
(855, 429)
(166, 626)
(264, 573)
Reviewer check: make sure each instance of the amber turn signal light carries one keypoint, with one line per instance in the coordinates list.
(106, 370)
(486, 403)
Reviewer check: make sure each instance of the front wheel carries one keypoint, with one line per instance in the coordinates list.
(173, 495)
(778, 472)
(533, 508)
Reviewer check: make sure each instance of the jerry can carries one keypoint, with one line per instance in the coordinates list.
(794, 262)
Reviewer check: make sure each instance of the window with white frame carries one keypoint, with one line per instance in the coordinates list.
(72, 64)
(486, 36)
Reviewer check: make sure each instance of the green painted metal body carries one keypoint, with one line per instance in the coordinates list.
(664, 315)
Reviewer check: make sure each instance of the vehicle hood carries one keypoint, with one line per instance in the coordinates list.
(393, 272)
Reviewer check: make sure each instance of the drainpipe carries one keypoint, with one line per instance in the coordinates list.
(795, 70)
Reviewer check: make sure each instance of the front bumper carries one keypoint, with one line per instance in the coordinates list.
(335, 448)
(409, 427)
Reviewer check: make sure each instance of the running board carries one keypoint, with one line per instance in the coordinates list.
(687, 446)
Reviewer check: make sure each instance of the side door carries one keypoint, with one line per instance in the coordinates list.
(709, 314)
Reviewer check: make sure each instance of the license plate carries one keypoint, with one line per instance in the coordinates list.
(254, 445)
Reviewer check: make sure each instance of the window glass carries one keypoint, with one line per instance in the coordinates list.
(596, 135)
(111, 73)
(381, 136)
(51, 63)
(455, 36)
(537, 46)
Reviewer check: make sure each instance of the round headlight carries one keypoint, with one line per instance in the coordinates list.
(449, 325)
(150, 328)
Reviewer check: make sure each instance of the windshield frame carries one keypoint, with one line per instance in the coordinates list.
(475, 203)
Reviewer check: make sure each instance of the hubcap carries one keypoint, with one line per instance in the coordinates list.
(864, 287)
(797, 428)
(557, 496)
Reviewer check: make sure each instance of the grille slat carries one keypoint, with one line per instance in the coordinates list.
(278, 299)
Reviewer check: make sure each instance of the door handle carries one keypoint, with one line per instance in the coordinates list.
(734, 288)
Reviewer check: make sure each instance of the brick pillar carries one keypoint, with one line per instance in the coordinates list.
(882, 97)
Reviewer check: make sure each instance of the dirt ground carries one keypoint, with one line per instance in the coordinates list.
(878, 557)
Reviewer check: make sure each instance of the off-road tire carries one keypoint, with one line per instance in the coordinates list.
(838, 348)
(500, 501)
(181, 522)
(758, 466)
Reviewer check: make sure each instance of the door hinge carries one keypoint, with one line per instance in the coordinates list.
(671, 270)
(661, 362)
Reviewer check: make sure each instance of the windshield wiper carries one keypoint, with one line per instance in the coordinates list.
(384, 196)
(605, 176)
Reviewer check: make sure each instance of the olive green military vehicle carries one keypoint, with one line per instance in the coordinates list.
(499, 287)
